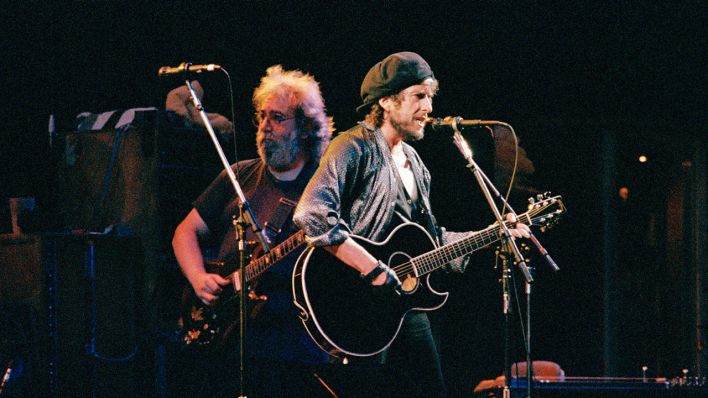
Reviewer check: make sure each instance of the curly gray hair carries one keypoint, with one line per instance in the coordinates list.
(303, 92)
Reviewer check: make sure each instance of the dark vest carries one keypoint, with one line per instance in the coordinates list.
(413, 211)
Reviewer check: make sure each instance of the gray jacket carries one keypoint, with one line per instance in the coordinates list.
(354, 192)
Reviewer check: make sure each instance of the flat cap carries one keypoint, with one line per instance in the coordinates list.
(395, 73)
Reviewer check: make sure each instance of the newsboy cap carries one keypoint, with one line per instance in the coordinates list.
(393, 74)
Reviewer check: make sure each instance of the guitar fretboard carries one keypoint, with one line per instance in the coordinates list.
(435, 259)
(276, 254)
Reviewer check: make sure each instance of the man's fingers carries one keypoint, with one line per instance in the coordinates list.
(520, 231)
(525, 230)
(211, 286)
(218, 280)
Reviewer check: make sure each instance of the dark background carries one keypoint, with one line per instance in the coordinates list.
(587, 86)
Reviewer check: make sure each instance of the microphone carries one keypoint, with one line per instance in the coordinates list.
(458, 122)
(185, 67)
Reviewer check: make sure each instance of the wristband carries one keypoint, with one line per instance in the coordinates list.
(380, 268)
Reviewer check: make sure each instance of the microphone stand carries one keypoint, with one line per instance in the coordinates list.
(485, 185)
(546, 257)
(246, 217)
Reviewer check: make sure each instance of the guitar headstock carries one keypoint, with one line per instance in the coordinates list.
(544, 210)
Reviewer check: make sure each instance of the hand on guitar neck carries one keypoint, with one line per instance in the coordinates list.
(354, 255)
(519, 230)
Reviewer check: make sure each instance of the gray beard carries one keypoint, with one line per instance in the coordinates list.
(280, 157)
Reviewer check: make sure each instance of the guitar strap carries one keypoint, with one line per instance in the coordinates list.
(280, 216)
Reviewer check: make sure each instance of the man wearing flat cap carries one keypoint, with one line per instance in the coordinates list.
(369, 182)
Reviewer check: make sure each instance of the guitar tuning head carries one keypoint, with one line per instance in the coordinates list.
(532, 200)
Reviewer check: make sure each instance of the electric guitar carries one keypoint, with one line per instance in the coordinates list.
(201, 324)
(347, 316)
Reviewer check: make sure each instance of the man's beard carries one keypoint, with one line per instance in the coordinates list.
(279, 155)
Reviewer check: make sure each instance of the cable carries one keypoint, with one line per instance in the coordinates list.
(233, 120)
(516, 163)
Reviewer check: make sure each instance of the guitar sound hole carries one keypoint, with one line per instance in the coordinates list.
(408, 280)
(409, 283)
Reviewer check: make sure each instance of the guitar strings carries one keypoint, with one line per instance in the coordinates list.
(429, 262)
(264, 262)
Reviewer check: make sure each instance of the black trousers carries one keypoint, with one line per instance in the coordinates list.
(416, 354)
(409, 368)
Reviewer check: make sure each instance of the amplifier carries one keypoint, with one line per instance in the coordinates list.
(602, 387)
(74, 302)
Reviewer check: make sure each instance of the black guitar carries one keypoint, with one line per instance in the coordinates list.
(203, 325)
(343, 314)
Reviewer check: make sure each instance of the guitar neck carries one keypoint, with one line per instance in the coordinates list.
(435, 259)
(276, 254)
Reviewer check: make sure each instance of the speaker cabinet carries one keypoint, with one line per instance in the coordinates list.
(85, 291)
(143, 178)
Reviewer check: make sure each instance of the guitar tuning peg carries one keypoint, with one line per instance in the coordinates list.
(531, 201)
(539, 197)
